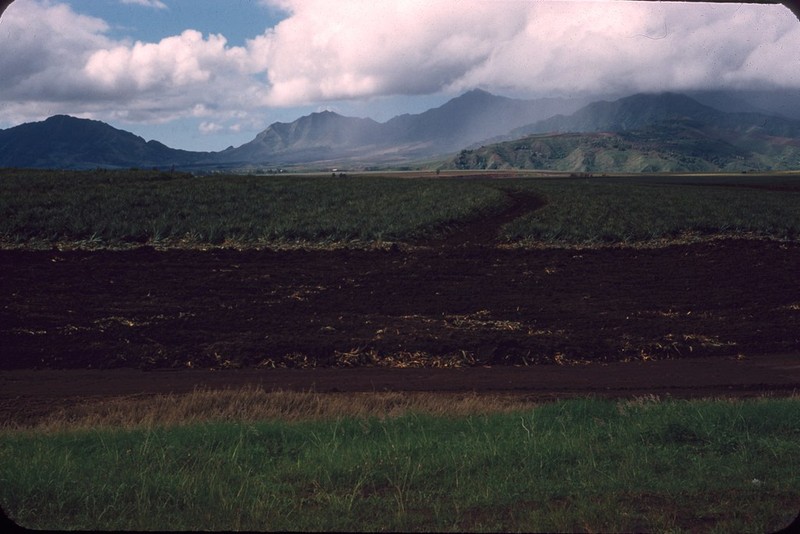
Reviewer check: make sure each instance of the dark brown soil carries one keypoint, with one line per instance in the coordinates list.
(347, 319)
(444, 306)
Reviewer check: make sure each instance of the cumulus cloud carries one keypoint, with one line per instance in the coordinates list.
(177, 61)
(208, 128)
(57, 60)
(155, 4)
(44, 46)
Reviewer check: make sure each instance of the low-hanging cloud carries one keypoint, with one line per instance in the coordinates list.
(334, 50)
(56, 60)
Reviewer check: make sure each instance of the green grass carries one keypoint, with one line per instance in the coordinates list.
(582, 465)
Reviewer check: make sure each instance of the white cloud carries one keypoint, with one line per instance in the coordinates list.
(155, 4)
(177, 61)
(334, 50)
(208, 128)
(326, 51)
(44, 46)
(55, 60)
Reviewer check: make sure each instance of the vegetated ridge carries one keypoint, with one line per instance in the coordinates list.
(645, 133)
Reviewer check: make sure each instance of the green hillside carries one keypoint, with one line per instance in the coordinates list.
(670, 146)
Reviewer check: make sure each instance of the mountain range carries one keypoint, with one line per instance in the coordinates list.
(672, 132)
(328, 136)
(666, 132)
(642, 110)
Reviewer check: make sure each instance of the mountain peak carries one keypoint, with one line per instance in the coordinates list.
(475, 96)
(674, 101)
(69, 119)
(325, 113)
(476, 93)
(63, 141)
(59, 118)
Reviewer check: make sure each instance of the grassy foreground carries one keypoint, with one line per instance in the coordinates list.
(581, 465)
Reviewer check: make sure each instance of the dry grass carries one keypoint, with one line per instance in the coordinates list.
(682, 239)
(251, 404)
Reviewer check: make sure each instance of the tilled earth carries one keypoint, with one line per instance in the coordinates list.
(439, 307)
(725, 313)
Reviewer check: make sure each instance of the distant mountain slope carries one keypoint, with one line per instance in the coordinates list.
(680, 145)
(470, 118)
(69, 143)
(784, 103)
(464, 120)
(641, 110)
(312, 137)
(646, 133)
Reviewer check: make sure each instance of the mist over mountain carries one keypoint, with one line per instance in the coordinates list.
(469, 118)
(672, 130)
(641, 110)
(664, 132)
(769, 102)
(319, 136)
(472, 117)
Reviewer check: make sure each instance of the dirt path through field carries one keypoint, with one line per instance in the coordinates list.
(485, 231)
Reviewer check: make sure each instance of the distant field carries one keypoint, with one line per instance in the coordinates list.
(118, 207)
(113, 208)
(635, 209)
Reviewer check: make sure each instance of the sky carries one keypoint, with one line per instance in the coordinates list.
(207, 74)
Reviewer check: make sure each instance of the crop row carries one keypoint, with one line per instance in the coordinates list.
(108, 207)
(592, 211)
(113, 207)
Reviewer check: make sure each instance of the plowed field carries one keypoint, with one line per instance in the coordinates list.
(719, 316)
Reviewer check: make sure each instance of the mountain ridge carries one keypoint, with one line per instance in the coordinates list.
(677, 145)
(639, 110)
(63, 141)
(468, 121)
(468, 118)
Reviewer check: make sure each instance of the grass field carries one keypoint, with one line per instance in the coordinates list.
(121, 208)
(582, 465)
